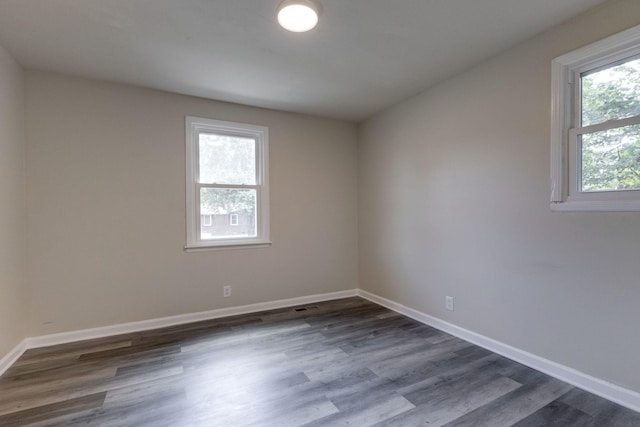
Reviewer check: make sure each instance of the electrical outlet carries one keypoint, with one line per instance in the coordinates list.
(449, 303)
(226, 291)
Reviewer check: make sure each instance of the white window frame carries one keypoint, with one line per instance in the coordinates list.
(233, 219)
(565, 125)
(193, 127)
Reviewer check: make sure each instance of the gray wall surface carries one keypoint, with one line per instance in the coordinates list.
(102, 156)
(454, 200)
(12, 203)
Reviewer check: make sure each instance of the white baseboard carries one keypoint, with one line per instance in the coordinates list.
(144, 325)
(13, 355)
(181, 319)
(609, 391)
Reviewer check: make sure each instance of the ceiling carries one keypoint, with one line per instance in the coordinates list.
(364, 56)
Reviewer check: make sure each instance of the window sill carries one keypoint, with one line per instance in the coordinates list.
(206, 247)
(596, 206)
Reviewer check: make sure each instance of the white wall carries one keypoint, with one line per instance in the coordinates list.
(12, 203)
(454, 200)
(106, 207)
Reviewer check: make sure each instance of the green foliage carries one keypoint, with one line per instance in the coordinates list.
(611, 159)
(227, 200)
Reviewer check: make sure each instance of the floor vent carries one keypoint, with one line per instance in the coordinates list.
(308, 307)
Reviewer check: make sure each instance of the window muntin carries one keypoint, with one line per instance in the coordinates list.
(227, 177)
(595, 164)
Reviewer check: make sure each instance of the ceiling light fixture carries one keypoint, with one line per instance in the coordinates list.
(298, 15)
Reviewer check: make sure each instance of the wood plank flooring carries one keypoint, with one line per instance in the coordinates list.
(347, 362)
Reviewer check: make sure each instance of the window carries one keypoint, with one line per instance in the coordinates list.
(595, 139)
(227, 175)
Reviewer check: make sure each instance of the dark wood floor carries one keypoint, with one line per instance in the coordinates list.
(345, 362)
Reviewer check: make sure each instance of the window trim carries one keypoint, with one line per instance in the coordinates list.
(195, 125)
(233, 219)
(565, 74)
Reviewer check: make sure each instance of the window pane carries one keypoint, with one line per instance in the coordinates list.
(233, 213)
(611, 160)
(227, 159)
(612, 93)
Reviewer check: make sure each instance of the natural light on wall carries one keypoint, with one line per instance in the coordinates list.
(298, 15)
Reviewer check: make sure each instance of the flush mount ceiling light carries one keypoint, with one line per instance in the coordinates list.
(298, 15)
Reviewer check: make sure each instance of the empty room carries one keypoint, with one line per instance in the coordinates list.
(319, 213)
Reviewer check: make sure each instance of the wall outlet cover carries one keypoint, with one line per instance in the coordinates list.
(449, 303)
